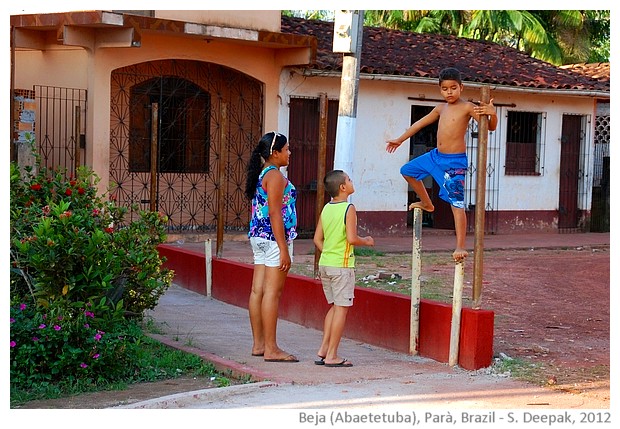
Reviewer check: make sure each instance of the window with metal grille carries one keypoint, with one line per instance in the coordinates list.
(523, 143)
(184, 122)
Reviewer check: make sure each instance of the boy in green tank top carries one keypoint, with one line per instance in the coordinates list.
(335, 236)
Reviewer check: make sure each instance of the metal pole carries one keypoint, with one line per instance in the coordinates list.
(12, 130)
(154, 139)
(320, 174)
(457, 303)
(76, 154)
(208, 266)
(481, 185)
(416, 269)
(221, 194)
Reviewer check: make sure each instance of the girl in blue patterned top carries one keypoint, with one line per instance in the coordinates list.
(272, 230)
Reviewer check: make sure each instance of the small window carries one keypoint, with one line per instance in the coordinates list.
(184, 132)
(523, 143)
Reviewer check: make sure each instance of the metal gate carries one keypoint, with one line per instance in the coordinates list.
(60, 127)
(601, 192)
(180, 129)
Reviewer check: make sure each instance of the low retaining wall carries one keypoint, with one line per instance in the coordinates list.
(377, 317)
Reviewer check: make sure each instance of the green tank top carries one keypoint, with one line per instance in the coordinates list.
(337, 252)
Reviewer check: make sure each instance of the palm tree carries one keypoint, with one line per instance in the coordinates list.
(556, 36)
(577, 33)
(559, 36)
(519, 29)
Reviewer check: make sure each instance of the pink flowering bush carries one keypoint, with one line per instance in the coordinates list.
(66, 346)
(79, 276)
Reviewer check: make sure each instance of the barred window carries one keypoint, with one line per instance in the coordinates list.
(184, 119)
(523, 143)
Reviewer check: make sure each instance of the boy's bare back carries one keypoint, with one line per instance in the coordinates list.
(453, 121)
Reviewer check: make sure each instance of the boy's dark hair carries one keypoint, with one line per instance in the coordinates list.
(332, 182)
(450, 73)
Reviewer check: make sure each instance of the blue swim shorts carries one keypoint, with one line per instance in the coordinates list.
(448, 170)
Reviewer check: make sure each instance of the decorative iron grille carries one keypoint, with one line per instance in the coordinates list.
(191, 97)
(602, 135)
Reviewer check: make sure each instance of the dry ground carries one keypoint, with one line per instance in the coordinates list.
(551, 307)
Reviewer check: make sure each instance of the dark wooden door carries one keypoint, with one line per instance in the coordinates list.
(569, 171)
(304, 123)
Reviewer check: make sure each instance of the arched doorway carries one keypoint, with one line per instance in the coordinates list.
(176, 164)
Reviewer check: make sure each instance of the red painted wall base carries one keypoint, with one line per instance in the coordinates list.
(378, 318)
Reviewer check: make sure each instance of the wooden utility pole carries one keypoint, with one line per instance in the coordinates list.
(481, 189)
(348, 30)
(320, 172)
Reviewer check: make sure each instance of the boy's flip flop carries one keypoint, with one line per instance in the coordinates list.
(344, 364)
(289, 358)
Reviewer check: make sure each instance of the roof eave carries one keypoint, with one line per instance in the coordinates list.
(493, 86)
(70, 30)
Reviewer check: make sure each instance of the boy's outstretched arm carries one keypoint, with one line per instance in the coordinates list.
(431, 117)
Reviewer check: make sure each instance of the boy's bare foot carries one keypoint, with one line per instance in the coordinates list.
(459, 254)
(419, 205)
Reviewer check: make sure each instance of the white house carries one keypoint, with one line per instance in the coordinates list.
(91, 84)
(540, 157)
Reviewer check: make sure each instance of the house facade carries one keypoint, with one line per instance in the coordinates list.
(540, 159)
(166, 106)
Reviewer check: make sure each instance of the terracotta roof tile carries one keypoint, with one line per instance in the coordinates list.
(598, 71)
(402, 53)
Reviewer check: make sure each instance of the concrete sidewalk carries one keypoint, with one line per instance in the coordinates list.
(220, 333)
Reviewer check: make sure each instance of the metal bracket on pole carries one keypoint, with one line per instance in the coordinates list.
(416, 269)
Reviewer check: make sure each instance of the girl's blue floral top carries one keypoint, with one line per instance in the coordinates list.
(260, 225)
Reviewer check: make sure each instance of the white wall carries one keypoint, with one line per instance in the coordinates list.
(538, 192)
(383, 112)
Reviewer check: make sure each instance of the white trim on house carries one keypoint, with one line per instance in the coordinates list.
(494, 87)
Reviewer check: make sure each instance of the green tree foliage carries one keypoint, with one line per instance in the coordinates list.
(556, 36)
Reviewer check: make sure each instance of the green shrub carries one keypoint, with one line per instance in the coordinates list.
(79, 279)
(65, 345)
(66, 245)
